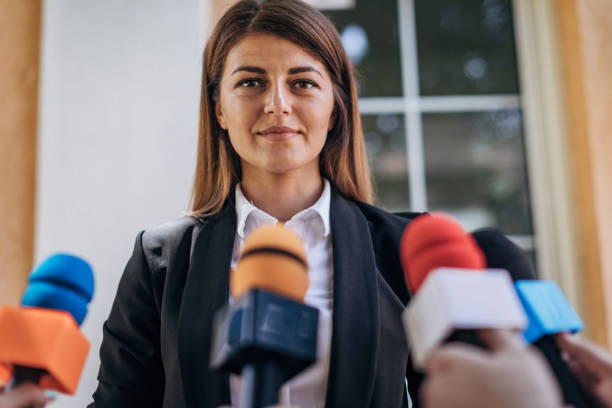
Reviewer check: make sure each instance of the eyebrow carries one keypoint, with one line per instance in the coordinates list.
(292, 71)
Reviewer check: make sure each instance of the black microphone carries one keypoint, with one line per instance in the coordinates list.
(267, 334)
(547, 310)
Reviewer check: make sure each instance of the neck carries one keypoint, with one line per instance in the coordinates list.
(282, 196)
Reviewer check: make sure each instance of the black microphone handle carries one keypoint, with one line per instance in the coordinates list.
(261, 383)
(468, 336)
(23, 374)
(573, 393)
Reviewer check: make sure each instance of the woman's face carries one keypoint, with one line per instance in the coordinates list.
(276, 103)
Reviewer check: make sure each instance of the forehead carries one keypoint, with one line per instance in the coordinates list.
(270, 52)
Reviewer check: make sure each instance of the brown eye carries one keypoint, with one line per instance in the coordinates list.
(304, 84)
(250, 83)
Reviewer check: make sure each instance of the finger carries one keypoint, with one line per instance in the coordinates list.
(453, 355)
(429, 392)
(425, 393)
(586, 379)
(25, 395)
(497, 339)
(603, 392)
(591, 357)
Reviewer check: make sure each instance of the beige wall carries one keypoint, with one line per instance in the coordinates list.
(19, 61)
(585, 31)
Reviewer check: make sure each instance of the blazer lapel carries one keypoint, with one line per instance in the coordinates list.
(206, 289)
(355, 330)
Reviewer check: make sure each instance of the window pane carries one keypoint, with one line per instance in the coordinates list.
(370, 36)
(475, 169)
(386, 145)
(465, 47)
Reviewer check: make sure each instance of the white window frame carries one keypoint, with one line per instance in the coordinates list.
(545, 137)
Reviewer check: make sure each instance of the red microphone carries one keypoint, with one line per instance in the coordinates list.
(435, 240)
(453, 297)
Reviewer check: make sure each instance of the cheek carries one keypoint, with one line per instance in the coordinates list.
(238, 115)
(320, 113)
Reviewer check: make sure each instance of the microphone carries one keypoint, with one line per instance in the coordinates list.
(41, 341)
(548, 311)
(267, 334)
(453, 295)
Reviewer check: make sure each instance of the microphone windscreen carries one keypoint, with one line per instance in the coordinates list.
(272, 259)
(61, 282)
(435, 240)
(502, 253)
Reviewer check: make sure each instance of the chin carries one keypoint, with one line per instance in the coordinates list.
(282, 168)
(284, 163)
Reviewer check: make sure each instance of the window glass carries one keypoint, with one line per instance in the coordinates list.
(475, 169)
(370, 35)
(465, 47)
(386, 146)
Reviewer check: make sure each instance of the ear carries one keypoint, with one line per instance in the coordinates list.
(219, 115)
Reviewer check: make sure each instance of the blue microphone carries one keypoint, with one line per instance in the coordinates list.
(53, 306)
(61, 282)
(547, 309)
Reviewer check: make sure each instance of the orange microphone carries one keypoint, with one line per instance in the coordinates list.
(41, 341)
(266, 334)
(272, 259)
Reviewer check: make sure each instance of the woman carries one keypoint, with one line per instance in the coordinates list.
(280, 140)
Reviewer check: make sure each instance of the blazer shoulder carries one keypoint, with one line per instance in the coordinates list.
(386, 220)
(161, 242)
(171, 231)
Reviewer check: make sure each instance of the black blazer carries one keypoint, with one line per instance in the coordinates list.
(156, 345)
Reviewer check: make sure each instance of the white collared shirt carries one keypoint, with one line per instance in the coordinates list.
(307, 389)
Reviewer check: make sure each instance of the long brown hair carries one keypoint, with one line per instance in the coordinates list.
(343, 159)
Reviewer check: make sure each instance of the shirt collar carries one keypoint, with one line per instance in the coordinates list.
(250, 217)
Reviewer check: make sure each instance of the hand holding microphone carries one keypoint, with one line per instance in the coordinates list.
(509, 374)
(591, 365)
(547, 309)
(22, 396)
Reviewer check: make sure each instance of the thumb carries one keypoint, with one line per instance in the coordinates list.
(452, 355)
(499, 339)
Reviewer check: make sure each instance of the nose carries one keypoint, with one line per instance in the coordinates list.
(277, 101)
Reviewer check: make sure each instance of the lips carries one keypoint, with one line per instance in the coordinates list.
(278, 132)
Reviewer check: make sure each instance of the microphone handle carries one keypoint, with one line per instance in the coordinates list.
(261, 382)
(467, 336)
(23, 374)
(573, 393)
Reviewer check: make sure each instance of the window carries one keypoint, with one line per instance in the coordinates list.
(441, 108)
